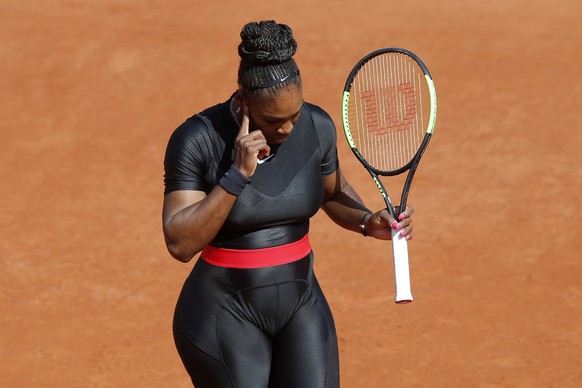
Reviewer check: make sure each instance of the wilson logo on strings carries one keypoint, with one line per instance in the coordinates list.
(388, 109)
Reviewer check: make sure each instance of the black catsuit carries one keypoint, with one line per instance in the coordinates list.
(256, 327)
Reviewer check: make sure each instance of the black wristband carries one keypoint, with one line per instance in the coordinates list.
(363, 223)
(233, 181)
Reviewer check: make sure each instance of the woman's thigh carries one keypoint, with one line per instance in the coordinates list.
(305, 353)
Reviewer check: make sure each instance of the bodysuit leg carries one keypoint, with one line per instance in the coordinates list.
(273, 329)
(305, 353)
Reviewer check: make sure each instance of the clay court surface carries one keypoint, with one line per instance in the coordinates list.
(91, 91)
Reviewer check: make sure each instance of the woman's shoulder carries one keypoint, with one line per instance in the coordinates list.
(318, 112)
(322, 120)
(201, 125)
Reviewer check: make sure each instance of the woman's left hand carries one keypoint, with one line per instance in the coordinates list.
(380, 224)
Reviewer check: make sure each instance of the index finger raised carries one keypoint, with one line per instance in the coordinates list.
(244, 127)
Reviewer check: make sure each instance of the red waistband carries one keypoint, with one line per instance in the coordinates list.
(256, 258)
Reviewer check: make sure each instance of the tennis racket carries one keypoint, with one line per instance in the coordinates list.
(389, 113)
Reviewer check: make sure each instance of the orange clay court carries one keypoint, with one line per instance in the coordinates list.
(91, 91)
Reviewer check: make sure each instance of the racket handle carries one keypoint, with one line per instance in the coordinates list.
(401, 268)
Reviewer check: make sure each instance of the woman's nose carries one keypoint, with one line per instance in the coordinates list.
(286, 128)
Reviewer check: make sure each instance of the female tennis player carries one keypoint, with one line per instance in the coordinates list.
(242, 179)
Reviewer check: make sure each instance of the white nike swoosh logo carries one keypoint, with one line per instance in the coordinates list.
(284, 78)
(261, 161)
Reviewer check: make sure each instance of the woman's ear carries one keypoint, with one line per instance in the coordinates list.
(239, 101)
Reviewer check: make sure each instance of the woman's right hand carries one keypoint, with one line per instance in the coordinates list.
(249, 147)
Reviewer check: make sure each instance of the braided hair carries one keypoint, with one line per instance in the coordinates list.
(266, 65)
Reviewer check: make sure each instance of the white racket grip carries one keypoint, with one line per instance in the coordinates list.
(401, 268)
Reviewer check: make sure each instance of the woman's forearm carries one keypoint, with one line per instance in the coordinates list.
(346, 208)
(190, 229)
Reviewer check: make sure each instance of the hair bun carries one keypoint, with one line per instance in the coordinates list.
(266, 43)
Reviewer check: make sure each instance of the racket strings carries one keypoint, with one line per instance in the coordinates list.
(386, 110)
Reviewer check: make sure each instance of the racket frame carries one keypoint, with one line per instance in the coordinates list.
(399, 244)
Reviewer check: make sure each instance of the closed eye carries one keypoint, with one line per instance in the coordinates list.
(275, 120)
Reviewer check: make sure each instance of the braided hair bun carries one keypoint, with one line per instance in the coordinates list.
(266, 43)
(266, 51)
